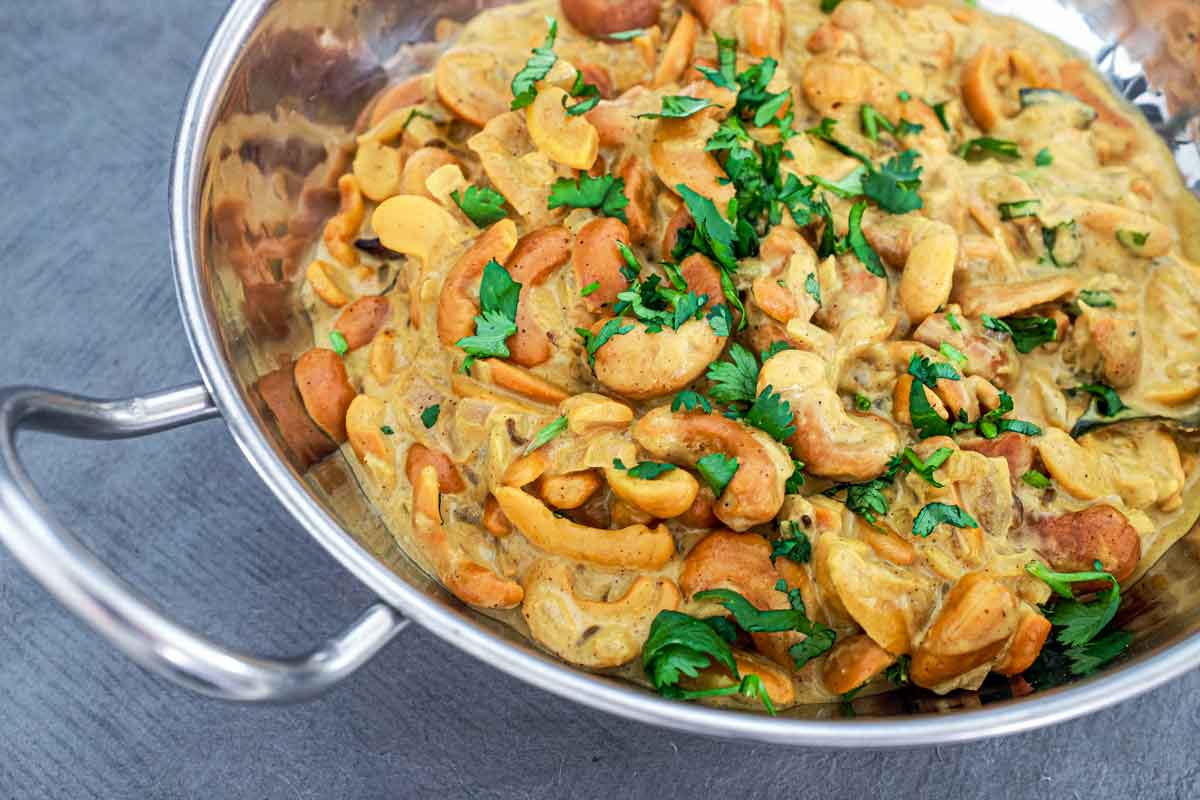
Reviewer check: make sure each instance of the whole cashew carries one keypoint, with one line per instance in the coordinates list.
(679, 157)
(678, 53)
(740, 562)
(852, 662)
(592, 633)
(1073, 541)
(362, 320)
(1120, 344)
(457, 303)
(596, 259)
(641, 365)
(1026, 643)
(664, 497)
(413, 225)
(756, 492)
(377, 168)
(590, 413)
(1006, 299)
(473, 83)
(407, 93)
(536, 257)
(364, 422)
(783, 295)
(571, 141)
(762, 27)
(599, 18)
(990, 82)
(320, 278)
(419, 456)
(341, 230)
(571, 490)
(521, 381)
(325, 388)
(634, 547)
(830, 441)
(639, 189)
(928, 275)
(468, 580)
(976, 620)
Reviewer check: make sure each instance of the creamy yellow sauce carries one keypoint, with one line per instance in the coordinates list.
(1108, 188)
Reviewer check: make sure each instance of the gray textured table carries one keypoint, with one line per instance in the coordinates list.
(90, 91)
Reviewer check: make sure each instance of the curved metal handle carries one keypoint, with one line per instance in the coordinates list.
(72, 574)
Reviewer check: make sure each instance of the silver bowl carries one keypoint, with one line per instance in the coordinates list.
(264, 134)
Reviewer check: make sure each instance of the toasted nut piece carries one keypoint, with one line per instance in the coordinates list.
(678, 53)
(382, 360)
(679, 158)
(831, 442)
(473, 83)
(326, 390)
(664, 497)
(1097, 466)
(521, 381)
(1006, 299)
(641, 365)
(741, 562)
(1014, 448)
(599, 76)
(889, 546)
(419, 166)
(775, 679)
(634, 547)
(1120, 345)
(413, 225)
(536, 257)
(1072, 542)
(639, 189)
(518, 170)
(622, 515)
(494, 520)
(377, 169)
(755, 494)
(305, 440)
(589, 413)
(469, 581)
(592, 633)
(407, 93)
(572, 141)
(707, 10)
(599, 18)
(700, 513)
(761, 26)
(929, 274)
(990, 83)
(341, 229)
(571, 490)
(596, 259)
(853, 662)
(457, 303)
(364, 423)
(419, 456)
(526, 469)
(1032, 631)
(321, 281)
(1119, 138)
(901, 395)
(1108, 221)
(976, 620)
(362, 320)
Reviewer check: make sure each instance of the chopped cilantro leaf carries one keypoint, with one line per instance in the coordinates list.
(736, 380)
(524, 83)
(689, 400)
(862, 402)
(935, 514)
(953, 320)
(773, 349)
(593, 342)
(547, 433)
(606, 194)
(940, 110)
(1028, 333)
(794, 547)
(591, 287)
(1108, 402)
(429, 416)
(387, 430)
(894, 186)
(589, 92)
(644, 470)
(483, 206)
(926, 468)
(953, 353)
(1036, 479)
(1044, 158)
(1097, 298)
(813, 287)
(985, 146)
(859, 244)
(1079, 622)
(847, 188)
(625, 36)
(718, 470)
(720, 320)
(678, 107)
(771, 413)
(498, 298)
(339, 343)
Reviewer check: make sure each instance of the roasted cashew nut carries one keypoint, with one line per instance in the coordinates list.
(473, 83)
(1099, 465)
(678, 156)
(458, 304)
(596, 259)
(362, 320)
(664, 497)
(536, 257)
(364, 423)
(1006, 299)
(641, 365)
(570, 141)
(634, 547)
(852, 662)
(599, 18)
(415, 226)
(831, 442)
(756, 492)
(325, 389)
(976, 620)
(592, 633)
(1074, 541)
(341, 230)
(590, 413)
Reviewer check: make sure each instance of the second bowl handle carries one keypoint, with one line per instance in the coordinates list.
(87, 587)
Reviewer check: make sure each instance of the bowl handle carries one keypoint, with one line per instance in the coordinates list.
(72, 574)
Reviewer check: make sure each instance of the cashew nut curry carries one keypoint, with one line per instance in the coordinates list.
(764, 353)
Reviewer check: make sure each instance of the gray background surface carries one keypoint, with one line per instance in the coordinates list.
(90, 91)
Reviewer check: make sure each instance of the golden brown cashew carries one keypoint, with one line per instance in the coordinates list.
(419, 456)
(325, 388)
(761, 26)
(1073, 541)
(852, 662)
(928, 273)
(977, 618)
(1119, 341)
(320, 278)
(342, 229)
(592, 633)
(1032, 631)
(678, 53)
(641, 365)
(1099, 466)
(590, 413)
(571, 141)
(382, 359)
(664, 497)
(707, 10)
(679, 157)
(755, 494)
(413, 225)
(776, 680)
(362, 320)
(569, 491)
(377, 169)
(420, 165)
(473, 83)
(535, 258)
(307, 443)
(740, 562)
(457, 303)
(407, 93)
(700, 513)
(469, 581)
(599, 18)
(596, 259)
(830, 441)
(1006, 299)
(990, 81)
(634, 547)
(364, 424)
(494, 520)
(523, 382)
(639, 188)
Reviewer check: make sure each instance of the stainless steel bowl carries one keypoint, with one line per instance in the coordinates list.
(262, 137)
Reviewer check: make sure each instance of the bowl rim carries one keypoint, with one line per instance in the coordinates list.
(221, 54)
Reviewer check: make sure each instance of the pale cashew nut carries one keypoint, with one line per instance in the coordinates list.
(526, 469)
(364, 424)
(414, 226)
(1006, 299)
(325, 389)
(639, 189)
(468, 580)
(642, 365)
(590, 413)
(1142, 467)
(516, 167)
(320, 278)
(473, 83)
(664, 497)
(976, 620)
(571, 141)
(362, 320)
(756, 492)
(457, 303)
(341, 230)
(596, 259)
(569, 491)
(852, 662)
(678, 156)
(592, 633)
(382, 359)
(420, 165)
(1120, 344)
(616, 120)
(928, 275)
(832, 442)
(1107, 221)
(377, 168)
(633, 547)
(740, 562)
(678, 53)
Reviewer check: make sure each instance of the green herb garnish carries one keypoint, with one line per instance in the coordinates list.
(483, 206)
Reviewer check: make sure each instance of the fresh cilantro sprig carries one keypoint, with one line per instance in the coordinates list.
(735, 382)
(818, 638)
(497, 319)
(483, 206)
(524, 83)
(678, 107)
(934, 514)
(771, 413)
(588, 93)
(1106, 400)
(429, 416)
(606, 194)
(592, 342)
(546, 434)
(796, 546)
(689, 400)
(718, 470)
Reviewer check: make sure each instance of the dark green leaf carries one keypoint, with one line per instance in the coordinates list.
(894, 186)
(720, 320)
(772, 414)
(794, 547)
(1044, 158)
(985, 146)
(678, 107)
(605, 194)
(1028, 333)
(859, 244)
(339, 343)
(592, 343)
(1036, 479)
(935, 514)
(524, 83)
(690, 401)
(718, 470)
(483, 206)
(589, 93)
(1020, 209)
(736, 380)
(1097, 298)
(926, 468)
(429, 416)
(813, 287)
(547, 433)
(1108, 402)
